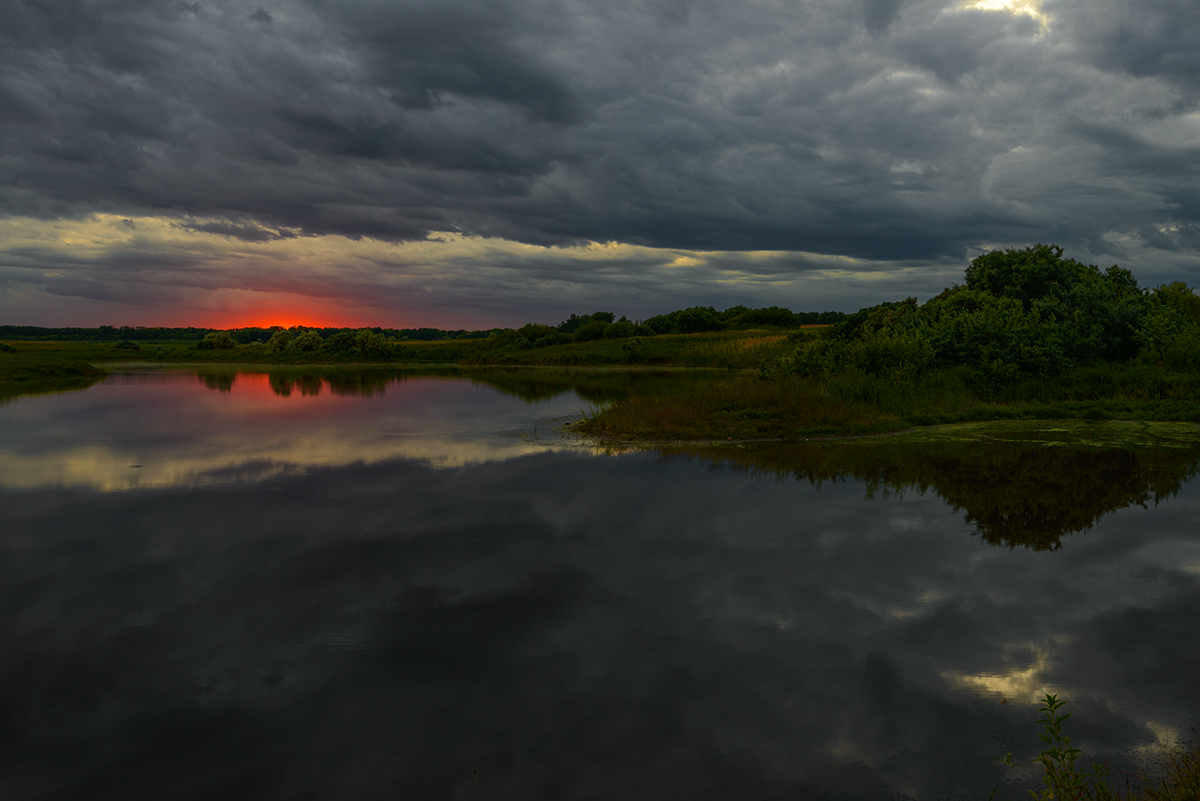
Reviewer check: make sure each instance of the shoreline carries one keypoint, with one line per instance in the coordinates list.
(1154, 433)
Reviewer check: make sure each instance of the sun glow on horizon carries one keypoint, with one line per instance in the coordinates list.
(193, 278)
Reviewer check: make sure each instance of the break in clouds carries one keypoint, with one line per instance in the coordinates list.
(897, 135)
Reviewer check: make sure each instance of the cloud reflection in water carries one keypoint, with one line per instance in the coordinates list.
(553, 624)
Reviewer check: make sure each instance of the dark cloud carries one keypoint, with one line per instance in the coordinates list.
(880, 14)
(884, 130)
(1146, 39)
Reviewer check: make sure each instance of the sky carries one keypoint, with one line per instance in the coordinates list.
(479, 164)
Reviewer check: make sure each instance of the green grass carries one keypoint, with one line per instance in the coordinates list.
(31, 368)
(27, 367)
(721, 349)
(738, 407)
(852, 402)
(724, 349)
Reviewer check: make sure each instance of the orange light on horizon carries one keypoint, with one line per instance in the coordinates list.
(290, 322)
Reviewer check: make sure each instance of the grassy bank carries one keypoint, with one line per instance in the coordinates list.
(790, 407)
(46, 367)
(715, 349)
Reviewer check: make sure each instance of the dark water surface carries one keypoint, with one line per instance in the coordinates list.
(355, 586)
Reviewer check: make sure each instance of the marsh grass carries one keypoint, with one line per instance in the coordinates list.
(720, 349)
(740, 407)
(854, 402)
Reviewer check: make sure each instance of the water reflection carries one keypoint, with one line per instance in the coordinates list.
(1014, 494)
(543, 623)
(530, 384)
(179, 428)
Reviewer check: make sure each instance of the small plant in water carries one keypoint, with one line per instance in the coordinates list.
(1065, 782)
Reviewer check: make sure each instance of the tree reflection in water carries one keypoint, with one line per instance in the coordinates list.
(596, 386)
(220, 381)
(1026, 494)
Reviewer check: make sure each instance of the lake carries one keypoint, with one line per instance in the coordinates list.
(409, 585)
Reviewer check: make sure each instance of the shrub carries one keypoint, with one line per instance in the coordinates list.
(342, 342)
(620, 330)
(216, 339)
(589, 331)
(306, 341)
(279, 341)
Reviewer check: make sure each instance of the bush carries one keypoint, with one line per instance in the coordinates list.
(1022, 314)
(341, 342)
(216, 339)
(306, 342)
(553, 338)
(620, 330)
(593, 330)
(575, 321)
(279, 341)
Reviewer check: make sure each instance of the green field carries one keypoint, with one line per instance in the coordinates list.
(30, 368)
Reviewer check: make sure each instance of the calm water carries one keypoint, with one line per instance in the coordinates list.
(251, 586)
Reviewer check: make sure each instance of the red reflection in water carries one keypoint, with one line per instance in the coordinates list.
(296, 395)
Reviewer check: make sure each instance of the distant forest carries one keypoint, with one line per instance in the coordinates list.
(683, 321)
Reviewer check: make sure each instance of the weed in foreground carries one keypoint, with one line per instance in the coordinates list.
(1179, 781)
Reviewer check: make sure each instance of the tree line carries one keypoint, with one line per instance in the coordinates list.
(368, 341)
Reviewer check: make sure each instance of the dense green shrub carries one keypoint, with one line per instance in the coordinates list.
(1022, 314)
(591, 330)
(216, 339)
(687, 321)
(358, 343)
(620, 330)
(306, 341)
(279, 341)
(575, 321)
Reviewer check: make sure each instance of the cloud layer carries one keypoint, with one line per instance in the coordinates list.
(907, 131)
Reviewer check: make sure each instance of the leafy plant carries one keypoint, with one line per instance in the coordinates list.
(1065, 782)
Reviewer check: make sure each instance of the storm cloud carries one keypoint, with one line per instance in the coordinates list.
(897, 131)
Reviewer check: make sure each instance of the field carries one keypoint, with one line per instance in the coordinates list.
(48, 367)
